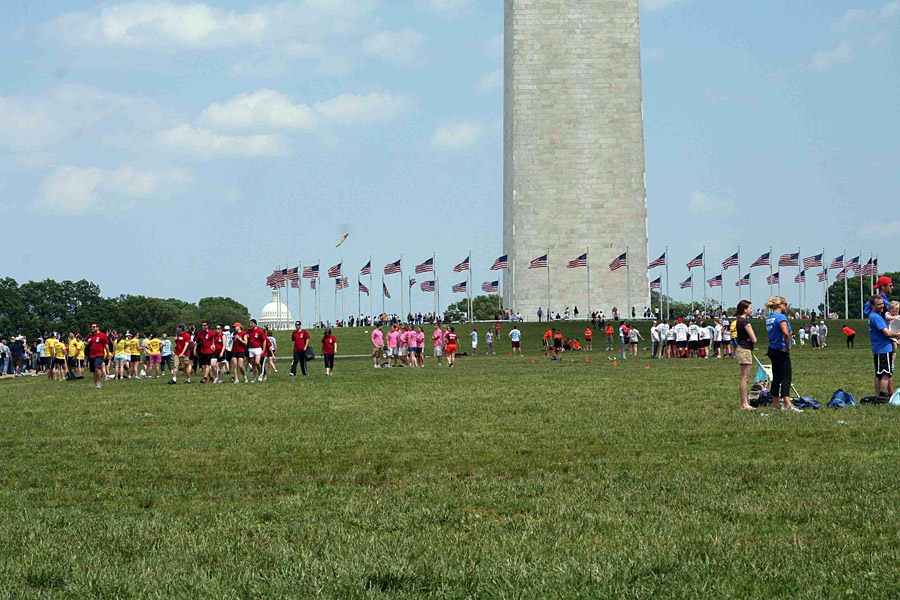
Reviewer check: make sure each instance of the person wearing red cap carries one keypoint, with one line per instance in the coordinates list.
(884, 287)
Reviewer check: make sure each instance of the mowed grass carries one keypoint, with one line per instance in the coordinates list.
(498, 478)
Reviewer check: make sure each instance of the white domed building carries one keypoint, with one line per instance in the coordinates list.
(276, 314)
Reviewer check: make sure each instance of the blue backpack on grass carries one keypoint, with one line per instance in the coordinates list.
(841, 399)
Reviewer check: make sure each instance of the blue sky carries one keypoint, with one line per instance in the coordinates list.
(185, 150)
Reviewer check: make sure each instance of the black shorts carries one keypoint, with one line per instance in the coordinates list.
(557, 343)
(58, 362)
(704, 343)
(205, 360)
(884, 365)
(71, 362)
(227, 356)
(135, 358)
(693, 344)
(46, 361)
(95, 363)
(516, 344)
(682, 344)
(718, 344)
(238, 355)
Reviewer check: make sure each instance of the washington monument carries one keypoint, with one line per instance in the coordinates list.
(573, 143)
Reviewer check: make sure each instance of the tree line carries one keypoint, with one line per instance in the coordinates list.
(37, 307)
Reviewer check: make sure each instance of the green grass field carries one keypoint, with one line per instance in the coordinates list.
(498, 478)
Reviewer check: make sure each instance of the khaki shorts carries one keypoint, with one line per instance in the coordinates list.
(743, 356)
(183, 362)
(377, 352)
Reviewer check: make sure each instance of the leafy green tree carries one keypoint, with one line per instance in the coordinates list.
(223, 310)
(836, 295)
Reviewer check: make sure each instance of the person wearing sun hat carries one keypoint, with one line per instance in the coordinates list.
(884, 287)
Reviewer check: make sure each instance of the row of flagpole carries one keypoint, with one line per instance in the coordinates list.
(774, 278)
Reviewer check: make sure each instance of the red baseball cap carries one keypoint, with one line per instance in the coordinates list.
(238, 324)
(882, 281)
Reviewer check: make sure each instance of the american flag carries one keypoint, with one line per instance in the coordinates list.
(715, 281)
(745, 280)
(687, 283)
(773, 279)
(295, 283)
(841, 275)
(868, 268)
(292, 274)
(412, 281)
(659, 262)
(312, 283)
(385, 291)
(463, 266)
(391, 268)
(875, 266)
(500, 263)
(427, 286)
(539, 263)
(853, 265)
(363, 288)
(459, 288)
(731, 261)
(697, 262)
(656, 284)
(822, 275)
(341, 283)
(800, 277)
(789, 260)
(762, 261)
(812, 262)
(366, 270)
(311, 272)
(272, 281)
(426, 267)
(277, 275)
(335, 271)
(581, 261)
(491, 287)
(621, 261)
(837, 263)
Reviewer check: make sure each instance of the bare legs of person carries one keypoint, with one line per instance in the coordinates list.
(745, 382)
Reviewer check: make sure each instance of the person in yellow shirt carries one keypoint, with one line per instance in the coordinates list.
(49, 342)
(154, 356)
(59, 361)
(79, 357)
(72, 357)
(133, 348)
(122, 358)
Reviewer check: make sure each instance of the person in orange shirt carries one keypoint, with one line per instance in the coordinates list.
(576, 346)
(557, 344)
(547, 340)
(588, 336)
(609, 337)
(851, 335)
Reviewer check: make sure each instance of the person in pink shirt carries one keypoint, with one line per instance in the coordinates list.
(393, 344)
(411, 344)
(437, 341)
(377, 346)
(420, 346)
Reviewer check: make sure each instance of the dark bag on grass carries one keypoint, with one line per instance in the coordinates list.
(310, 355)
(875, 400)
(841, 399)
(805, 402)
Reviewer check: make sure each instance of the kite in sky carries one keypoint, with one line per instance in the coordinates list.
(343, 239)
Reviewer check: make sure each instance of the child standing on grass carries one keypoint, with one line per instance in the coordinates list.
(329, 348)
(452, 340)
(489, 342)
(437, 342)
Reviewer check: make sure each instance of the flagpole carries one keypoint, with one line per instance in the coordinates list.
(343, 308)
(722, 275)
(825, 290)
(358, 298)
(300, 291)
(740, 287)
(587, 255)
(704, 277)
(434, 273)
(668, 298)
(401, 288)
(799, 288)
(691, 277)
(846, 300)
(627, 283)
(318, 297)
(771, 272)
(371, 295)
(859, 267)
(382, 294)
(471, 316)
(549, 312)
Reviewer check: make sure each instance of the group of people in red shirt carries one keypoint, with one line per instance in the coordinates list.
(300, 338)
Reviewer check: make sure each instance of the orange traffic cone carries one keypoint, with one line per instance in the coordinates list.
(532, 361)
(648, 366)
(615, 363)
(586, 359)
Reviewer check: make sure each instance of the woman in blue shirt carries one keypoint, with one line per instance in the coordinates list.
(779, 332)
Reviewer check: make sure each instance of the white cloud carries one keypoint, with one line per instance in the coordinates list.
(30, 124)
(265, 109)
(656, 5)
(73, 191)
(204, 144)
(494, 46)
(827, 59)
(880, 230)
(700, 202)
(650, 55)
(850, 18)
(402, 47)
(490, 82)
(884, 14)
(450, 8)
(273, 110)
(348, 109)
(457, 135)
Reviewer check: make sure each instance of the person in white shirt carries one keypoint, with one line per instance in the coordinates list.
(726, 338)
(823, 335)
(717, 338)
(474, 336)
(693, 340)
(515, 336)
(681, 338)
(814, 336)
(802, 335)
(671, 344)
(489, 342)
(654, 339)
(704, 340)
(663, 330)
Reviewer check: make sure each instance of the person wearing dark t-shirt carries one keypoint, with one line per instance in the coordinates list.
(743, 354)
(300, 337)
(97, 342)
(329, 348)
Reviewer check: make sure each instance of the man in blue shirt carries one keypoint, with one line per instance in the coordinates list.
(882, 347)
(883, 287)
